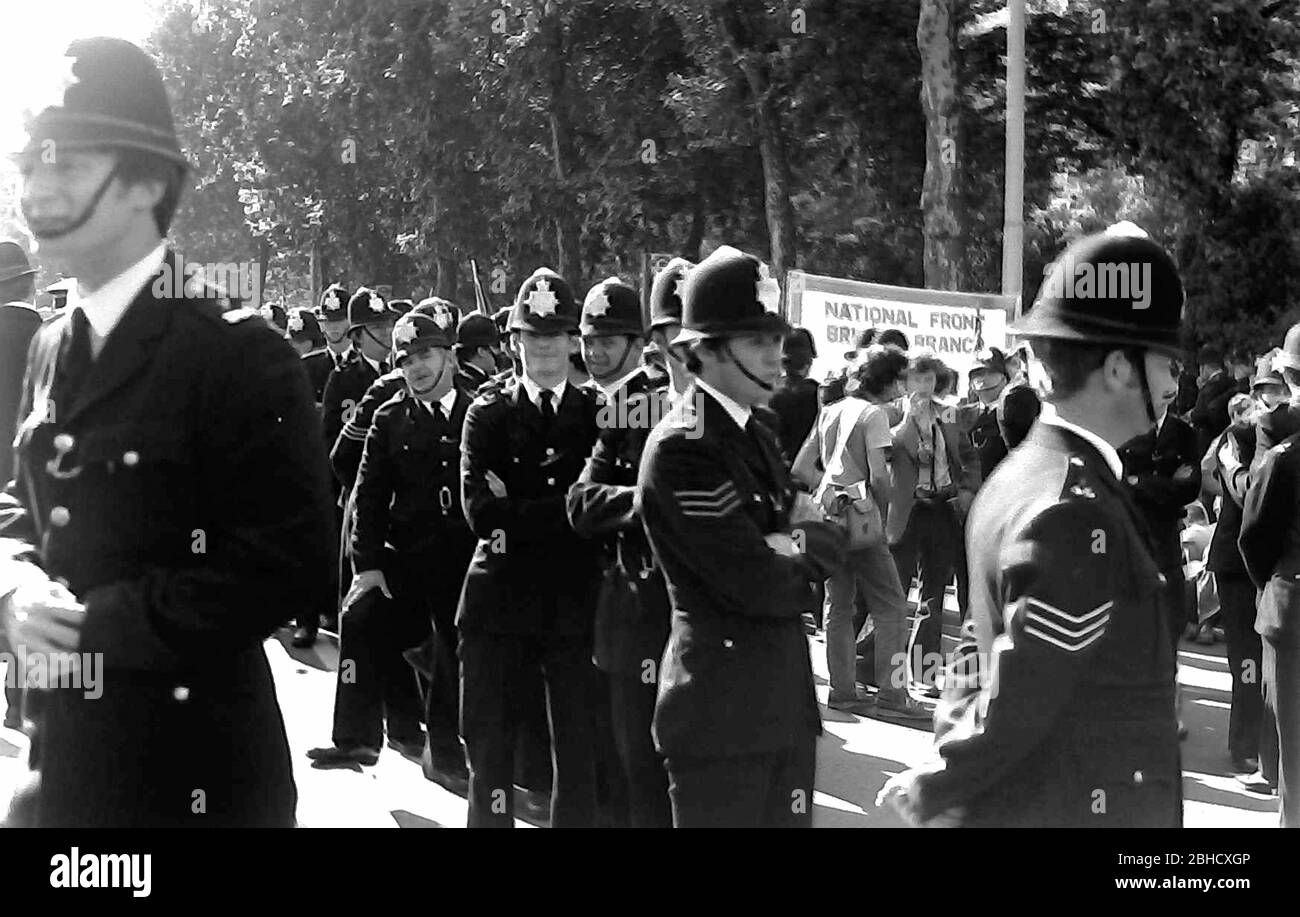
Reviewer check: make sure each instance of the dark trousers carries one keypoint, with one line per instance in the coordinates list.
(374, 682)
(1282, 697)
(930, 546)
(432, 582)
(611, 780)
(14, 695)
(632, 708)
(768, 790)
(1175, 603)
(496, 672)
(1237, 612)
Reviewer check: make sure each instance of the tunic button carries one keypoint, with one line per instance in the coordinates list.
(1161, 577)
(550, 450)
(64, 442)
(181, 693)
(550, 482)
(728, 643)
(131, 458)
(59, 516)
(1138, 777)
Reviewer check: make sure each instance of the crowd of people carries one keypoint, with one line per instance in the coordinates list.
(574, 551)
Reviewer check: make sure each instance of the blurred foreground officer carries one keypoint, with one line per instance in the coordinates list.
(530, 591)
(736, 714)
(632, 618)
(171, 508)
(1059, 709)
(1270, 547)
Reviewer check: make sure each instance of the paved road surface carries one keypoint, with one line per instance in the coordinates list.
(854, 757)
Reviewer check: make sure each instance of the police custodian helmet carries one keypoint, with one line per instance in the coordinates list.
(104, 93)
(545, 304)
(730, 293)
(1113, 287)
(611, 307)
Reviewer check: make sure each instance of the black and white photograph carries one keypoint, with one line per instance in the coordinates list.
(637, 414)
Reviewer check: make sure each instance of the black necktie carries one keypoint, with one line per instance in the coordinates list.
(76, 360)
(548, 409)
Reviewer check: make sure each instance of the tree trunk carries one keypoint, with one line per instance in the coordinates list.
(696, 237)
(564, 154)
(777, 181)
(448, 285)
(941, 206)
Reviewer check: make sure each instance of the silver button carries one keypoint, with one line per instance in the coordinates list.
(728, 643)
(550, 450)
(64, 442)
(131, 458)
(1138, 777)
(181, 693)
(1076, 461)
(1161, 577)
(59, 516)
(550, 482)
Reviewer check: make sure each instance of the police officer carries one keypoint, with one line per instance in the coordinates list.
(666, 321)
(304, 333)
(171, 506)
(530, 591)
(409, 547)
(370, 328)
(631, 625)
(275, 317)
(1059, 708)
(18, 322)
(1271, 552)
(1018, 405)
(736, 715)
(795, 400)
(478, 349)
(988, 377)
(333, 315)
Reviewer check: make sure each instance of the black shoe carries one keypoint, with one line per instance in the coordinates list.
(13, 719)
(412, 748)
(348, 754)
(304, 637)
(448, 771)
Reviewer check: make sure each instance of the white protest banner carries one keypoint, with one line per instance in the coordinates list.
(954, 325)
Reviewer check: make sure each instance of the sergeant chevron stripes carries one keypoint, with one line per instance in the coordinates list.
(709, 504)
(1070, 632)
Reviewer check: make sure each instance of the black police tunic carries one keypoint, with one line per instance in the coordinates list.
(182, 496)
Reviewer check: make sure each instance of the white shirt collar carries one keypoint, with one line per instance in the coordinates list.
(534, 391)
(739, 412)
(374, 364)
(1107, 451)
(105, 307)
(448, 401)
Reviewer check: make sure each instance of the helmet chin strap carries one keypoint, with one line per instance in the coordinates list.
(1137, 357)
(617, 371)
(87, 212)
(437, 390)
(767, 387)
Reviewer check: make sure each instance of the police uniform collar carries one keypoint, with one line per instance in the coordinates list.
(735, 410)
(619, 383)
(105, 306)
(534, 391)
(1107, 451)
